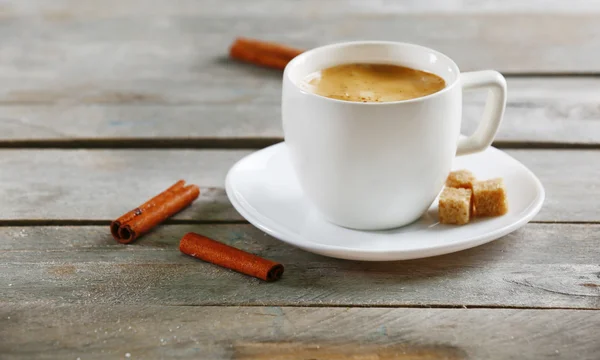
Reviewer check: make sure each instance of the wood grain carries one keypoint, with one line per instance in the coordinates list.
(541, 266)
(121, 72)
(244, 333)
(565, 108)
(54, 56)
(84, 9)
(104, 184)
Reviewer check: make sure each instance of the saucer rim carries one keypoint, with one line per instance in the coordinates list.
(279, 232)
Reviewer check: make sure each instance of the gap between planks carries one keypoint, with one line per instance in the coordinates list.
(379, 306)
(95, 222)
(509, 74)
(226, 143)
(92, 222)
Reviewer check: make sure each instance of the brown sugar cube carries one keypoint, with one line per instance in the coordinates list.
(460, 179)
(489, 197)
(455, 206)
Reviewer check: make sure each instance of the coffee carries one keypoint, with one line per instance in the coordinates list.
(372, 83)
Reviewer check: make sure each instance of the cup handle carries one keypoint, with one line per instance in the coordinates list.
(492, 114)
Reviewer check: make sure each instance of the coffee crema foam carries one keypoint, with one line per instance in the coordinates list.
(362, 82)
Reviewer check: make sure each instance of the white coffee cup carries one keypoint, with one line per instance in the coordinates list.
(375, 166)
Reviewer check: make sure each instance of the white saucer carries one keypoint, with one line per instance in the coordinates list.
(264, 190)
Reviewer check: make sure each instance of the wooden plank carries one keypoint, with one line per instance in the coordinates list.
(566, 108)
(103, 184)
(63, 53)
(85, 9)
(256, 333)
(542, 266)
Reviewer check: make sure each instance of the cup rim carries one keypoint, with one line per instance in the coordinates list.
(310, 52)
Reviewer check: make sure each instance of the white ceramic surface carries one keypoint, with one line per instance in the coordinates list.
(380, 165)
(264, 189)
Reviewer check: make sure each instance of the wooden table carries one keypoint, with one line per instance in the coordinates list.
(105, 103)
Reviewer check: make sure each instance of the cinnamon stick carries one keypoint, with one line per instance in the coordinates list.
(127, 217)
(142, 219)
(263, 53)
(212, 251)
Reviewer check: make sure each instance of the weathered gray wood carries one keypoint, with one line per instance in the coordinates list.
(539, 266)
(274, 333)
(104, 184)
(84, 184)
(565, 108)
(85, 9)
(67, 53)
(134, 69)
